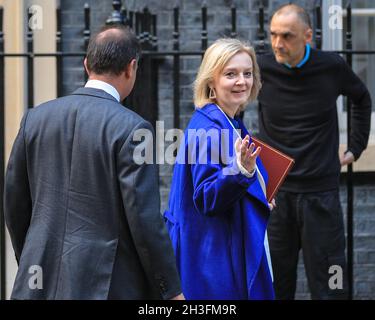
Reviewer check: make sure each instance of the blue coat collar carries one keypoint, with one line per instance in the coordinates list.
(212, 112)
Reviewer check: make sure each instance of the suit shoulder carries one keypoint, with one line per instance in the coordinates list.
(46, 109)
(90, 110)
(47, 104)
(128, 113)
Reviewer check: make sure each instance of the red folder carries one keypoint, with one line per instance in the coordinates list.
(277, 165)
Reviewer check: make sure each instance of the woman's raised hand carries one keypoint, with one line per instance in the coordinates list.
(245, 153)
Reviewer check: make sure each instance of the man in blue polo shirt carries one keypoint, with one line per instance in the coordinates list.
(298, 115)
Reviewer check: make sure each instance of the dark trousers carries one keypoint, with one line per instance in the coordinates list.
(312, 222)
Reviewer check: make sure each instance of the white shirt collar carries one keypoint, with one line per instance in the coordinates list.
(98, 84)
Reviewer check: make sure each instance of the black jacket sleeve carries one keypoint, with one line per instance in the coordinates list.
(355, 89)
(140, 193)
(17, 197)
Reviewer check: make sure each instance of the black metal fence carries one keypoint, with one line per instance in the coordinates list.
(145, 94)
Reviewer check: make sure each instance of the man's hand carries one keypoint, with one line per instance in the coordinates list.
(272, 204)
(179, 297)
(346, 158)
(245, 154)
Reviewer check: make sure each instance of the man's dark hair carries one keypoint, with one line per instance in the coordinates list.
(112, 49)
(291, 7)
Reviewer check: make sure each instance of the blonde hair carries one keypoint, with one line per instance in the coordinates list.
(214, 61)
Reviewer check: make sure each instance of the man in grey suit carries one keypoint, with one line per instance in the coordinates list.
(82, 215)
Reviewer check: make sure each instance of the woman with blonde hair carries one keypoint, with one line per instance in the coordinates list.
(218, 211)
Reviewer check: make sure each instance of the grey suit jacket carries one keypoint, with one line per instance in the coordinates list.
(83, 217)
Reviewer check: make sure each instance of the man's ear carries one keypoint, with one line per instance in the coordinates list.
(85, 64)
(308, 35)
(131, 68)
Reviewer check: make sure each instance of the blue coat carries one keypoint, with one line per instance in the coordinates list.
(216, 220)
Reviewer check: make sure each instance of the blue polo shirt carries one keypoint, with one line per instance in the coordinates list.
(303, 61)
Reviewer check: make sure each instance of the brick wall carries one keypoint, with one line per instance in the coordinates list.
(190, 33)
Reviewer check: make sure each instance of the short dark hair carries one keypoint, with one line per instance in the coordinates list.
(109, 52)
(291, 7)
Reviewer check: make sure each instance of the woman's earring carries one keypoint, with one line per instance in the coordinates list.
(212, 94)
